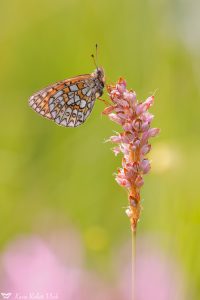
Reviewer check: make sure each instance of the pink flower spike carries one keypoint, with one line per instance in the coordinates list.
(132, 142)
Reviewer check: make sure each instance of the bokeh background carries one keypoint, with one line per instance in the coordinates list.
(58, 198)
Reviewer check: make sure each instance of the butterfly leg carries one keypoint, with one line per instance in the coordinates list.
(104, 101)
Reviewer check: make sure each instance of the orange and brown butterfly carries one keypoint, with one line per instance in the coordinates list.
(69, 102)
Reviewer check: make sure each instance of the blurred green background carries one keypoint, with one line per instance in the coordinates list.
(49, 174)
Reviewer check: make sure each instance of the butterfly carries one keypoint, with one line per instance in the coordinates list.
(69, 102)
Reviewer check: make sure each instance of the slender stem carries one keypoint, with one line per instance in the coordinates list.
(133, 263)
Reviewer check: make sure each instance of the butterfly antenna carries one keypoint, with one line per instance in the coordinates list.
(96, 54)
(95, 58)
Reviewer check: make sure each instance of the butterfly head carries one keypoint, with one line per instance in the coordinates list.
(99, 75)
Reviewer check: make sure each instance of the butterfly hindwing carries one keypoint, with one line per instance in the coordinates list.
(69, 102)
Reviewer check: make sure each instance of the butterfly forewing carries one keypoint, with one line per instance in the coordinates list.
(69, 102)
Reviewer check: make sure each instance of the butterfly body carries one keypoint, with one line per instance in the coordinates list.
(69, 102)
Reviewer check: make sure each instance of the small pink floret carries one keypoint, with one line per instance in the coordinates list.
(145, 149)
(153, 132)
(115, 139)
(122, 181)
(145, 166)
(148, 102)
(115, 118)
(121, 85)
(139, 181)
(108, 110)
(116, 150)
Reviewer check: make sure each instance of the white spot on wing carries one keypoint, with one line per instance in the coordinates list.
(58, 94)
(67, 113)
(78, 123)
(59, 99)
(89, 93)
(53, 113)
(87, 114)
(80, 117)
(31, 101)
(48, 115)
(44, 94)
(51, 100)
(69, 110)
(64, 122)
(85, 90)
(74, 112)
(82, 104)
(71, 94)
(77, 98)
(89, 105)
(57, 120)
(73, 88)
(71, 101)
(70, 124)
(97, 94)
(51, 106)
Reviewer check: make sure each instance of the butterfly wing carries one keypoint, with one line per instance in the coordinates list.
(68, 102)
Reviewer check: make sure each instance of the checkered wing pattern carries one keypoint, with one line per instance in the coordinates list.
(68, 102)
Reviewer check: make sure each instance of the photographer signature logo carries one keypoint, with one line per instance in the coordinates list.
(30, 296)
(6, 295)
